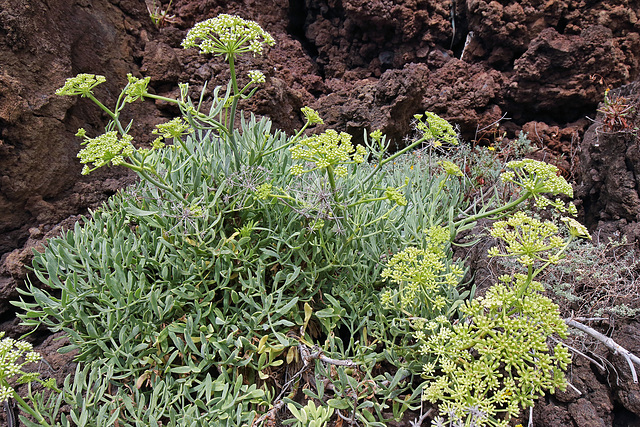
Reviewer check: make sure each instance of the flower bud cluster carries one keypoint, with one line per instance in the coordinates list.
(175, 128)
(311, 116)
(450, 168)
(257, 77)
(104, 149)
(497, 359)
(10, 353)
(327, 149)
(424, 275)
(82, 85)
(436, 129)
(537, 177)
(136, 89)
(228, 35)
(526, 239)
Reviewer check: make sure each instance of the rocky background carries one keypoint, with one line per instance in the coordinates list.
(490, 67)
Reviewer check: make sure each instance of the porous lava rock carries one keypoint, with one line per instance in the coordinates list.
(609, 183)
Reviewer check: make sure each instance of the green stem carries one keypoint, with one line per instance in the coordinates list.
(159, 182)
(288, 144)
(232, 113)
(332, 180)
(390, 158)
(495, 211)
(111, 114)
(365, 201)
(25, 406)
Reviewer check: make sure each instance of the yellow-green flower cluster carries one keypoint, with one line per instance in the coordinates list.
(104, 149)
(450, 168)
(576, 229)
(311, 116)
(82, 85)
(424, 276)
(264, 190)
(228, 35)
(175, 128)
(136, 88)
(498, 359)
(376, 135)
(395, 196)
(10, 352)
(527, 238)
(537, 177)
(436, 129)
(329, 149)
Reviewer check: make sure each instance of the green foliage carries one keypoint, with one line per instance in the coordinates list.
(309, 415)
(246, 256)
(497, 359)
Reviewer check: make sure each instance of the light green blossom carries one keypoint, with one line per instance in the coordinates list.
(537, 177)
(424, 278)
(106, 148)
(264, 190)
(576, 229)
(228, 35)
(311, 116)
(450, 168)
(82, 85)
(497, 360)
(376, 135)
(329, 149)
(136, 89)
(11, 351)
(436, 129)
(395, 196)
(175, 128)
(526, 238)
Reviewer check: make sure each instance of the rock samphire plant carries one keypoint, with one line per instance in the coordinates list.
(252, 277)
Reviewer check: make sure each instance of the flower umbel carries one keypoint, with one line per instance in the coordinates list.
(175, 128)
(10, 353)
(104, 149)
(329, 149)
(82, 85)
(311, 116)
(136, 89)
(228, 35)
(537, 177)
(436, 129)
(526, 238)
(257, 77)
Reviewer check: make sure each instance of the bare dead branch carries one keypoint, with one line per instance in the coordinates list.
(610, 343)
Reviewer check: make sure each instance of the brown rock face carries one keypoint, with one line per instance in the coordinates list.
(610, 166)
(41, 46)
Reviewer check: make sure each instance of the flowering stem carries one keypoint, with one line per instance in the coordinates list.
(159, 182)
(390, 158)
(111, 114)
(288, 144)
(332, 180)
(29, 410)
(495, 211)
(232, 112)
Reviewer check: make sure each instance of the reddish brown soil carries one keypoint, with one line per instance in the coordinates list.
(369, 64)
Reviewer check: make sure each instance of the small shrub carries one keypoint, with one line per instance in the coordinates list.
(245, 256)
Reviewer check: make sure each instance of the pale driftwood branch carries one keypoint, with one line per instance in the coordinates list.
(418, 421)
(307, 356)
(610, 343)
(575, 350)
